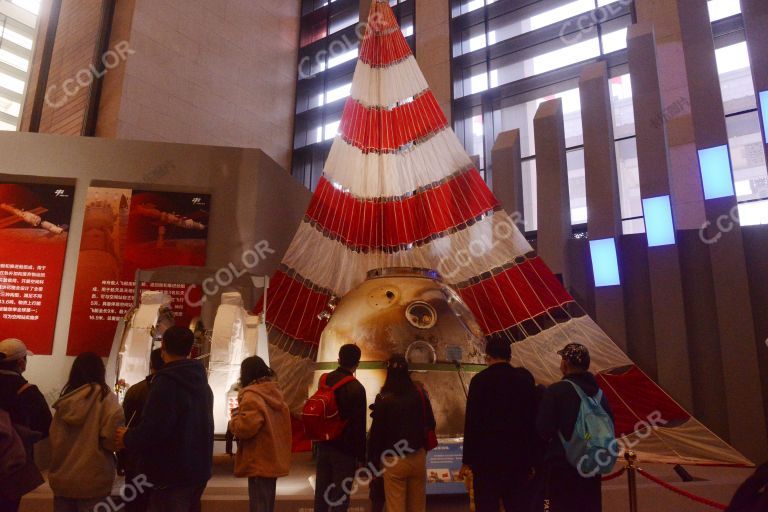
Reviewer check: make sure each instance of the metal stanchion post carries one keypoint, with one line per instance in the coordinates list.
(631, 458)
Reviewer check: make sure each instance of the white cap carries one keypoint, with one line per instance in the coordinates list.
(13, 349)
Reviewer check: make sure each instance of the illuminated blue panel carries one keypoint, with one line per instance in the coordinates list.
(764, 109)
(716, 173)
(659, 226)
(605, 263)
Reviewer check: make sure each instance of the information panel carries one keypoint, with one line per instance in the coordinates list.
(443, 467)
(34, 229)
(125, 230)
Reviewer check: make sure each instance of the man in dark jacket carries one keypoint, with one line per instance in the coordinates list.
(175, 436)
(133, 405)
(499, 432)
(565, 488)
(338, 459)
(26, 406)
(752, 495)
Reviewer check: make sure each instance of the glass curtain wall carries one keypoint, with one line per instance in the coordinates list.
(510, 55)
(18, 25)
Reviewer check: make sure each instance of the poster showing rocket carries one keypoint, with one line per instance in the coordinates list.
(125, 230)
(34, 229)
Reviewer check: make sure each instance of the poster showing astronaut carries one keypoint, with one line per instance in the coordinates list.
(34, 229)
(125, 230)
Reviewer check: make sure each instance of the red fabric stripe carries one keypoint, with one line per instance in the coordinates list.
(513, 296)
(374, 129)
(635, 398)
(374, 224)
(383, 43)
(293, 308)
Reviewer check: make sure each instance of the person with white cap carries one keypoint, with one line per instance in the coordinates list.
(23, 402)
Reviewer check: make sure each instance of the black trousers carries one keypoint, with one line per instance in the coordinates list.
(568, 491)
(8, 505)
(177, 499)
(335, 476)
(503, 486)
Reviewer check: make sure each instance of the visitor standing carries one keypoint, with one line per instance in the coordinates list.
(398, 443)
(752, 495)
(262, 426)
(567, 488)
(338, 459)
(175, 436)
(82, 468)
(133, 405)
(29, 416)
(500, 432)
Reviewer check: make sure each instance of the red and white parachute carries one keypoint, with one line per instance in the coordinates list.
(399, 190)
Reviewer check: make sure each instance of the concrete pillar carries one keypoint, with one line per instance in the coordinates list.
(602, 181)
(554, 203)
(433, 48)
(668, 303)
(684, 181)
(755, 15)
(508, 174)
(734, 307)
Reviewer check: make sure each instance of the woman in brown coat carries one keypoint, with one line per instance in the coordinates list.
(262, 426)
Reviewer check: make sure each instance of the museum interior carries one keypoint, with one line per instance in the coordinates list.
(423, 179)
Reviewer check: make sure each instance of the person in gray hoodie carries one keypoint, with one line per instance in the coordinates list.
(87, 414)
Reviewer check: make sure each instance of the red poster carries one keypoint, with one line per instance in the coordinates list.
(34, 228)
(125, 230)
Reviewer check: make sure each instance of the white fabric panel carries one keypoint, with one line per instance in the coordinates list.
(227, 343)
(689, 443)
(539, 353)
(374, 175)
(384, 87)
(134, 356)
(490, 243)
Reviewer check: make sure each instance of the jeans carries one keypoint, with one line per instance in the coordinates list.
(501, 485)
(334, 473)
(405, 483)
(184, 498)
(74, 505)
(261, 493)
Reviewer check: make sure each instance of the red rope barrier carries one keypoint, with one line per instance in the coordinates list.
(614, 476)
(670, 487)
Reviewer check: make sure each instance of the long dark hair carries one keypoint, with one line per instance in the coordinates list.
(254, 369)
(88, 368)
(398, 377)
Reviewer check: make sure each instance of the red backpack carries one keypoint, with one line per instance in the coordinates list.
(322, 421)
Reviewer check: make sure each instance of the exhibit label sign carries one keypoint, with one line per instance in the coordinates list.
(443, 468)
(34, 229)
(125, 230)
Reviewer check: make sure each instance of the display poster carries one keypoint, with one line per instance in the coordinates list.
(444, 466)
(125, 230)
(34, 229)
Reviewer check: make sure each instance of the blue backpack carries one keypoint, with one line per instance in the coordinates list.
(592, 449)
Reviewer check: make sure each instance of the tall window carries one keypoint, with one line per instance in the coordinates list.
(18, 22)
(741, 115)
(329, 46)
(509, 56)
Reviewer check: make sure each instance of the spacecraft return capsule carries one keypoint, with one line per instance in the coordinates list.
(409, 311)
